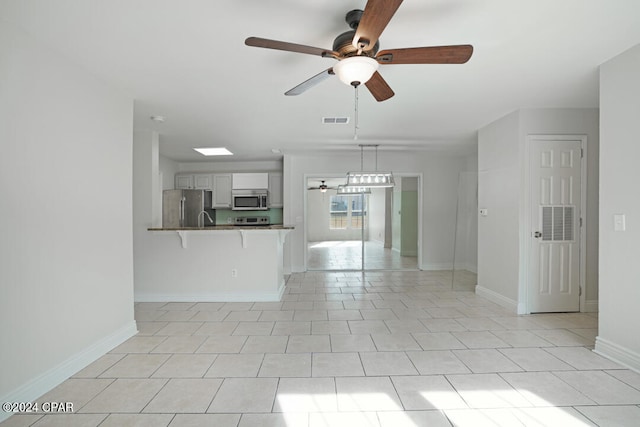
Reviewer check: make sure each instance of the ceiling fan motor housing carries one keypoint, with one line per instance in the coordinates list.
(343, 44)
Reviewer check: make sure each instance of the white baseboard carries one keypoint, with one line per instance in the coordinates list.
(497, 298)
(618, 354)
(213, 297)
(522, 309)
(46, 382)
(436, 267)
(590, 306)
(469, 267)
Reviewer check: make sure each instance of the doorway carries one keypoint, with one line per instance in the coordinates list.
(376, 231)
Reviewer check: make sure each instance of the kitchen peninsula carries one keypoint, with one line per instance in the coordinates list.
(220, 263)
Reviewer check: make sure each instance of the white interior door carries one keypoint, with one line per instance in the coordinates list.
(554, 274)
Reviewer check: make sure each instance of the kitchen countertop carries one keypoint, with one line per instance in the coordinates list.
(226, 227)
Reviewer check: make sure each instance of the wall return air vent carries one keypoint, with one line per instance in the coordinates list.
(335, 120)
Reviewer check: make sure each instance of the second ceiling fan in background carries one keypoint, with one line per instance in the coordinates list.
(357, 51)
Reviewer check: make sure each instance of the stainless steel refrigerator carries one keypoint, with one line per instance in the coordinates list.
(183, 208)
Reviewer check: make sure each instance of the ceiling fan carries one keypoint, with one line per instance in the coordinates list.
(322, 187)
(357, 51)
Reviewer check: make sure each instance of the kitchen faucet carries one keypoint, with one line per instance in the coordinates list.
(208, 216)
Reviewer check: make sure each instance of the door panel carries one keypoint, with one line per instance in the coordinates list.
(554, 277)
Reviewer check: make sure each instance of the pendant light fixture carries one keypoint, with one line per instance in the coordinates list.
(343, 189)
(369, 179)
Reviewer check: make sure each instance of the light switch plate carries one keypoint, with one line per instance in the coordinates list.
(619, 222)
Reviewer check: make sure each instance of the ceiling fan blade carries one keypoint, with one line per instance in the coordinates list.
(309, 83)
(427, 55)
(379, 88)
(376, 16)
(289, 47)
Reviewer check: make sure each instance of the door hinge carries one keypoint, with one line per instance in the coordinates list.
(581, 152)
(580, 222)
(580, 291)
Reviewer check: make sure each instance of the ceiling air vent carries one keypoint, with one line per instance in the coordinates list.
(335, 120)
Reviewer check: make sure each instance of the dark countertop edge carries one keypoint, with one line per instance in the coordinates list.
(225, 228)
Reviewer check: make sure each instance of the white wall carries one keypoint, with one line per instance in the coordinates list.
(231, 166)
(499, 192)
(471, 188)
(619, 176)
(376, 214)
(501, 162)
(65, 183)
(168, 168)
(147, 198)
(467, 222)
(439, 181)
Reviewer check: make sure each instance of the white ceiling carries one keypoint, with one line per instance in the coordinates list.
(186, 60)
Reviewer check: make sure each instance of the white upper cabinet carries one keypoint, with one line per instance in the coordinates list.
(222, 190)
(202, 182)
(184, 181)
(250, 181)
(190, 181)
(221, 185)
(275, 190)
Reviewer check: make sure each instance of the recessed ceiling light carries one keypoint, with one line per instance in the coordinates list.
(160, 119)
(214, 151)
(276, 151)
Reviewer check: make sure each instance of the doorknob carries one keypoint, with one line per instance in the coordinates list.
(537, 234)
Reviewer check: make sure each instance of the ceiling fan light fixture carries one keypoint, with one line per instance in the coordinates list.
(355, 70)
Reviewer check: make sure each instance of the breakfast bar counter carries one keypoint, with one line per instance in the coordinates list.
(221, 263)
(184, 232)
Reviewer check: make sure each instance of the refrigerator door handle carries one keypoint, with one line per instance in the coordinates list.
(182, 200)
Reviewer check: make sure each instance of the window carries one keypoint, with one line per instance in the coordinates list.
(348, 211)
(338, 212)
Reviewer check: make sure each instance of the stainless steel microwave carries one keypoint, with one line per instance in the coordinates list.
(249, 200)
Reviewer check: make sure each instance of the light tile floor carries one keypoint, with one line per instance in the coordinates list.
(347, 255)
(387, 349)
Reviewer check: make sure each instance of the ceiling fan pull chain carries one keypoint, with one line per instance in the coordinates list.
(355, 130)
(376, 158)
